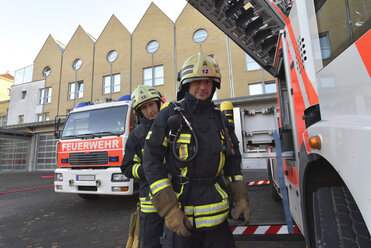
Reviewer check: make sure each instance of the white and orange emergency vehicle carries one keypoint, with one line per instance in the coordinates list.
(91, 148)
(320, 54)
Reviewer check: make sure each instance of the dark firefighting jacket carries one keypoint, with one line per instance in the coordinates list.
(132, 162)
(199, 183)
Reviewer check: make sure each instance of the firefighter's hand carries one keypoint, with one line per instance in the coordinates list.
(178, 222)
(241, 207)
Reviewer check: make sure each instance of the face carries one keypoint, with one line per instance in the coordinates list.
(201, 89)
(149, 109)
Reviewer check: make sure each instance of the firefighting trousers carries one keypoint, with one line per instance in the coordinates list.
(220, 237)
(151, 230)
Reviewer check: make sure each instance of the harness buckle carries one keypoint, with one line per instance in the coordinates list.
(182, 180)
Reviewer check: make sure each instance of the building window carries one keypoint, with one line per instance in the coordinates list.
(152, 46)
(46, 71)
(324, 43)
(77, 64)
(200, 35)
(262, 88)
(111, 84)
(251, 64)
(153, 77)
(24, 93)
(20, 119)
(23, 75)
(45, 95)
(75, 90)
(8, 91)
(112, 56)
(43, 117)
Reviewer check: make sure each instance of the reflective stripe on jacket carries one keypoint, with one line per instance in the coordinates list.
(205, 204)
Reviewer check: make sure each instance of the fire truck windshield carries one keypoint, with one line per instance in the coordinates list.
(95, 123)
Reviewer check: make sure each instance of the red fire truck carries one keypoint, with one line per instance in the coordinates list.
(91, 148)
(320, 54)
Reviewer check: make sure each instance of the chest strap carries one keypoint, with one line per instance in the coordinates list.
(179, 179)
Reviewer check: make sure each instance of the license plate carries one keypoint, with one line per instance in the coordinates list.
(85, 178)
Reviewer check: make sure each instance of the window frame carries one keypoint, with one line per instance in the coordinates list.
(263, 88)
(153, 49)
(75, 92)
(111, 59)
(46, 71)
(200, 38)
(20, 119)
(45, 95)
(111, 86)
(251, 61)
(153, 77)
(44, 117)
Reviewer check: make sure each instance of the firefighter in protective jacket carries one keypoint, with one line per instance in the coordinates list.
(146, 103)
(201, 153)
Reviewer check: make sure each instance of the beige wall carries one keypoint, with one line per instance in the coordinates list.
(241, 77)
(189, 21)
(155, 25)
(49, 55)
(113, 37)
(80, 47)
(4, 107)
(133, 58)
(5, 86)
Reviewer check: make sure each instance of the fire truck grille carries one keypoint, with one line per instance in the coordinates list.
(93, 158)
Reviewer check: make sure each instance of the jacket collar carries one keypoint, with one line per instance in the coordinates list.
(145, 122)
(195, 105)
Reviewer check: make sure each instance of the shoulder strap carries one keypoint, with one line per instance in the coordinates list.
(140, 131)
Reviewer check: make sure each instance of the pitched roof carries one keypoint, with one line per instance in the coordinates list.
(7, 75)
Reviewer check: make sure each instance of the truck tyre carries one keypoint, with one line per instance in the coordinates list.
(337, 220)
(89, 196)
(275, 195)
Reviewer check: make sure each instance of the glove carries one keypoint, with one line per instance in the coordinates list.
(164, 201)
(241, 203)
(241, 207)
(178, 222)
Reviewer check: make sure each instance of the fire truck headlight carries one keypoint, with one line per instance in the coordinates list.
(58, 177)
(64, 160)
(118, 177)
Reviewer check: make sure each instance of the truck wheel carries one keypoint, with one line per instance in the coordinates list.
(89, 196)
(275, 195)
(337, 220)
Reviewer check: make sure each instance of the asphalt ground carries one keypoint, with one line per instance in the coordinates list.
(32, 215)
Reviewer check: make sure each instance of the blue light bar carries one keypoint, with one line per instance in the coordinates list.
(124, 98)
(82, 104)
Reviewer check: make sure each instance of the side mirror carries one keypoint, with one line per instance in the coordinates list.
(57, 133)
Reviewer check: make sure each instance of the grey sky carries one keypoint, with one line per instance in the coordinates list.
(26, 24)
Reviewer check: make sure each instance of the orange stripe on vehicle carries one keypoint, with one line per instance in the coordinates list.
(292, 173)
(311, 93)
(277, 52)
(278, 11)
(298, 101)
(364, 49)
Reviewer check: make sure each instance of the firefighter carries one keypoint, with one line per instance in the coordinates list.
(202, 157)
(146, 103)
